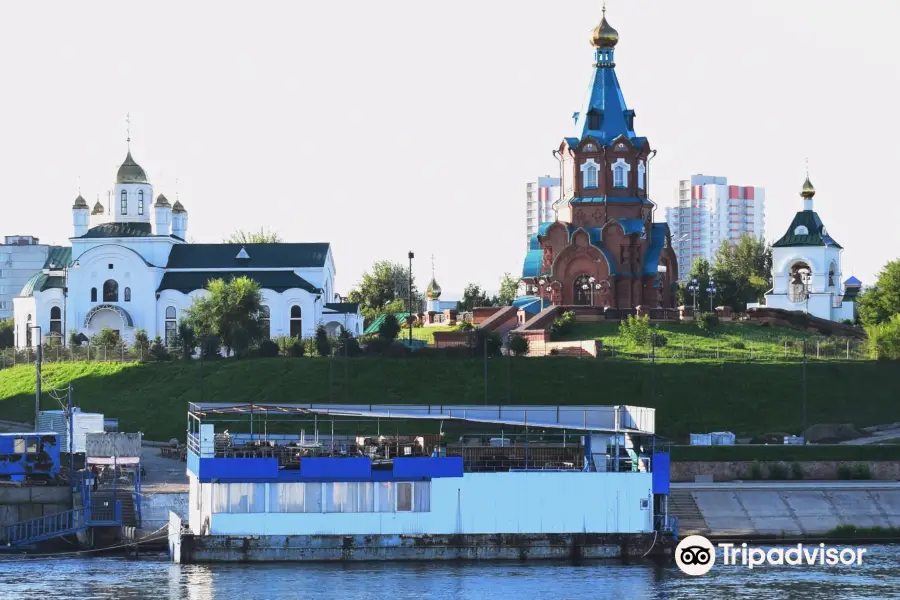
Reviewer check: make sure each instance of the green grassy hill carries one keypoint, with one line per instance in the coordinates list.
(694, 396)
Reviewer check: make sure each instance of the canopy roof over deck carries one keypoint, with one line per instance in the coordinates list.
(607, 419)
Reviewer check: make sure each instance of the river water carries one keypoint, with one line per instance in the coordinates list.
(156, 578)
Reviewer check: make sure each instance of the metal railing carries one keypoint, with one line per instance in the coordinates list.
(46, 527)
(107, 513)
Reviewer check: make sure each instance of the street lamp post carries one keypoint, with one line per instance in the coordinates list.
(694, 288)
(591, 283)
(409, 295)
(711, 290)
(542, 283)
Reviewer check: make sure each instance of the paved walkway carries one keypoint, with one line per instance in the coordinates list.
(163, 475)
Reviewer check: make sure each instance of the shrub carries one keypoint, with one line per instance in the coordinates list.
(796, 470)
(884, 339)
(187, 340)
(738, 345)
(778, 471)
(636, 329)
(158, 350)
(847, 322)
(106, 337)
(389, 328)
(346, 344)
(464, 326)
(659, 339)
(309, 347)
(323, 344)
(518, 345)
(7, 333)
(861, 471)
(562, 324)
(491, 338)
(707, 321)
(211, 347)
(267, 349)
(141, 345)
(755, 471)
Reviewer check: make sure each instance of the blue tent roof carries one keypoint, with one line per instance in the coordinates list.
(604, 98)
(853, 281)
(530, 304)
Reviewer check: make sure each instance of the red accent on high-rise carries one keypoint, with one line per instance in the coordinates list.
(734, 192)
(749, 193)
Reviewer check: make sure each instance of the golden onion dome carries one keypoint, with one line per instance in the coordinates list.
(808, 190)
(604, 36)
(79, 203)
(98, 209)
(433, 291)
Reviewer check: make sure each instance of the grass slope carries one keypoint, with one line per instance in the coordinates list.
(746, 398)
(728, 341)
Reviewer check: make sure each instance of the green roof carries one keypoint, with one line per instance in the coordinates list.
(373, 328)
(348, 308)
(40, 282)
(59, 257)
(277, 281)
(113, 230)
(262, 256)
(817, 235)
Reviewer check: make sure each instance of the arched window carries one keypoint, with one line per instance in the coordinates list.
(619, 176)
(140, 202)
(589, 148)
(801, 230)
(642, 172)
(127, 294)
(799, 282)
(171, 326)
(124, 207)
(28, 331)
(110, 291)
(296, 321)
(265, 322)
(593, 119)
(93, 294)
(831, 270)
(56, 320)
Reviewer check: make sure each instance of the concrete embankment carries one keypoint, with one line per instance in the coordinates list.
(783, 509)
(20, 503)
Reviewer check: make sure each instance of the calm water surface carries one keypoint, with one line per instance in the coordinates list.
(156, 578)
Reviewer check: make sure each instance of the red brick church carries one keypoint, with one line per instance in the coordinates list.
(604, 248)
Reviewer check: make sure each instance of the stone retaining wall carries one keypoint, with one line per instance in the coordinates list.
(816, 470)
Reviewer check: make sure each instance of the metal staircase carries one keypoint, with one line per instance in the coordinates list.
(32, 531)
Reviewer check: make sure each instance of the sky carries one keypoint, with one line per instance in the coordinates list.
(385, 127)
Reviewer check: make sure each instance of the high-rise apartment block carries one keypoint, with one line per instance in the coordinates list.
(539, 198)
(21, 256)
(708, 211)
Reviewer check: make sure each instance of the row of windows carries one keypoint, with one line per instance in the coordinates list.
(140, 206)
(620, 171)
(364, 497)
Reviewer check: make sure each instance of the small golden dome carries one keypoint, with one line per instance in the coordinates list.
(808, 190)
(604, 36)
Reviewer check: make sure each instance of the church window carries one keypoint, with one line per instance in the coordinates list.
(140, 202)
(589, 169)
(171, 326)
(619, 176)
(56, 320)
(593, 119)
(28, 331)
(93, 294)
(799, 282)
(110, 291)
(589, 148)
(265, 322)
(296, 321)
(801, 230)
(124, 210)
(642, 172)
(127, 294)
(831, 271)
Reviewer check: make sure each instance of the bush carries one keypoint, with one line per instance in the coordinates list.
(778, 471)
(738, 345)
(884, 339)
(186, 340)
(464, 326)
(346, 344)
(659, 339)
(562, 324)
(309, 347)
(491, 338)
(7, 333)
(106, 337)
(141, 345)
(158, 350)
(323, 344)
(267, 349)
(755, 471)
(707, 321)
(389, 328)
(518, 345)
(847, 322)
(861, 471)
(289, 345)
(211, 347)
(636, 329)
(796, 470)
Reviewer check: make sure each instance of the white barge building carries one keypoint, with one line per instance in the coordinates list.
(403, 482)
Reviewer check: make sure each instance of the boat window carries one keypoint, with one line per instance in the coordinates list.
(32, 446)
(19, 446)
(404, 497)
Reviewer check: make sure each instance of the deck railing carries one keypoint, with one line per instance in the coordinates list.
(46, 527)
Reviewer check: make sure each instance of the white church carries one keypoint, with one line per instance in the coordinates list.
(129, 267)
(806, 268)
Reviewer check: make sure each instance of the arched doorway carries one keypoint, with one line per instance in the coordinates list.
(582, 292)
(799, 282)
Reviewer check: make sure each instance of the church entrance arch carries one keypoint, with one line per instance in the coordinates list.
(107, 316)
(799, 281)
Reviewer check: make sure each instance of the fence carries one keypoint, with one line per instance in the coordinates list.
(56, 354)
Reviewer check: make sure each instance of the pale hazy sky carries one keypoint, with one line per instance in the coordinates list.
(395, 125)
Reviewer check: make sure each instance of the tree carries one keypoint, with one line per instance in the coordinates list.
(7, 333)
(700, 271)
(742, 272)
(158, 350)
(880, 302)
(385, 289)
(263, 236)
(230, 312)
(884, 338)
(106, 337)
(509, 289)
(141, 345)
(187, 340)
(474, 297)
(389, 328)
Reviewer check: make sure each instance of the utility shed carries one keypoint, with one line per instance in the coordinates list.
(84, 423)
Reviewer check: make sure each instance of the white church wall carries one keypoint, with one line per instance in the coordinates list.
(280, 308)
(22, 308)
(133, 191)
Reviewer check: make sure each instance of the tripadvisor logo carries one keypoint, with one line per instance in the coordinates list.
(695, 555)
